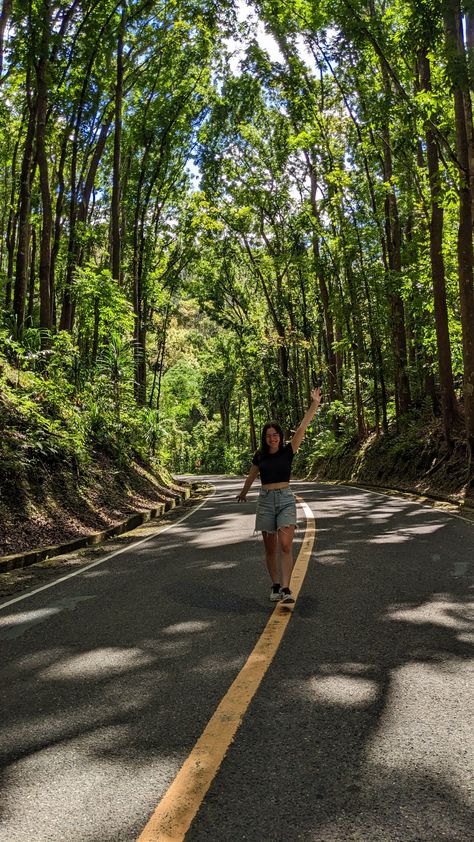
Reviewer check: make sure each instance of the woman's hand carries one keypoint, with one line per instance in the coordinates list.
(316, 395)
(241, 497)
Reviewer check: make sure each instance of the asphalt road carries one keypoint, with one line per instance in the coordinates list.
(361, 731)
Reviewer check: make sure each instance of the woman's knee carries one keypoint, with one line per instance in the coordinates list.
(285, 538)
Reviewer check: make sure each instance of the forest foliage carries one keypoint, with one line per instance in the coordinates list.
(205, 206)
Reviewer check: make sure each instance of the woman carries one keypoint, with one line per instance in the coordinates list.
(276, 505)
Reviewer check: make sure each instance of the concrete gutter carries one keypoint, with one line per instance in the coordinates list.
(16, 561)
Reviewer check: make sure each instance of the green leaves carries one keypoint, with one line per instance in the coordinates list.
(266, 216)
(98, 296)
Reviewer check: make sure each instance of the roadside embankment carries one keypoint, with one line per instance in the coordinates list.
(412, 462)
(59, 510)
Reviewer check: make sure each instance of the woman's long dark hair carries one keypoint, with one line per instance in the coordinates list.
(263, 444)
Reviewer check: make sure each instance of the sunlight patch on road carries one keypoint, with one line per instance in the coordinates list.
(187, 627)
(440, 611)
(99, 662)
(408, 533)
(15, 625)
(423, 528)
(348, 691)
(221, 565)
(379, 517)
(27, 617)
(394, 537)
(346, 668)
(331, 557)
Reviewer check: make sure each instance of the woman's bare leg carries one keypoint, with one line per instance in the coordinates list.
(270, 539)
(285, 541)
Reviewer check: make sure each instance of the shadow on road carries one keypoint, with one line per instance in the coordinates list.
(358, 743)
(358, 731)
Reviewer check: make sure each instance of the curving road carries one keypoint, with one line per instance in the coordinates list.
(362, 729)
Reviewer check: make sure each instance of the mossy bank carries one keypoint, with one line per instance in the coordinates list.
(415, 460)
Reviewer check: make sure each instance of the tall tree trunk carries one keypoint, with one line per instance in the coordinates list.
(160, 358)
(448, 397)
(47, 210)
(141, 368)
(253, 434)
(457, 60)
(12, 222)
(354, 328)
(60, 189)
(85, 198)
(393, 241)
(373, 333)
(78, 217)
(95, 334)
(22, 253)
(31, 286)
(4, 18)
(467, 22)
(115, 244)
(333, 391)
(139, 335)
(67, 310)
(140, 316)
(393, 246)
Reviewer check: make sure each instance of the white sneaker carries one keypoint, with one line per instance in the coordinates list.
(275, 594)
(286, 596)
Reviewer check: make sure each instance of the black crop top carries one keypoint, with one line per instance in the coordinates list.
(274, 467)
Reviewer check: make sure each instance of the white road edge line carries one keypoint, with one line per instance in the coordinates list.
(107, 557)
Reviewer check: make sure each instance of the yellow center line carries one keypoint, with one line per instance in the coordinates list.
(176, 810)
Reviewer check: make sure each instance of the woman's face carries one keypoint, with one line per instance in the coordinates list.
(272, 438)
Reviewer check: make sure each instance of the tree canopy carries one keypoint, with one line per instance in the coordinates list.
(206, 206)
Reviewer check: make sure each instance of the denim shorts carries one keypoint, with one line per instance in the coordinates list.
(276, 507)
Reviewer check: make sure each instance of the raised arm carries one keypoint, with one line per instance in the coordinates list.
(251, 477)
(308, 417)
